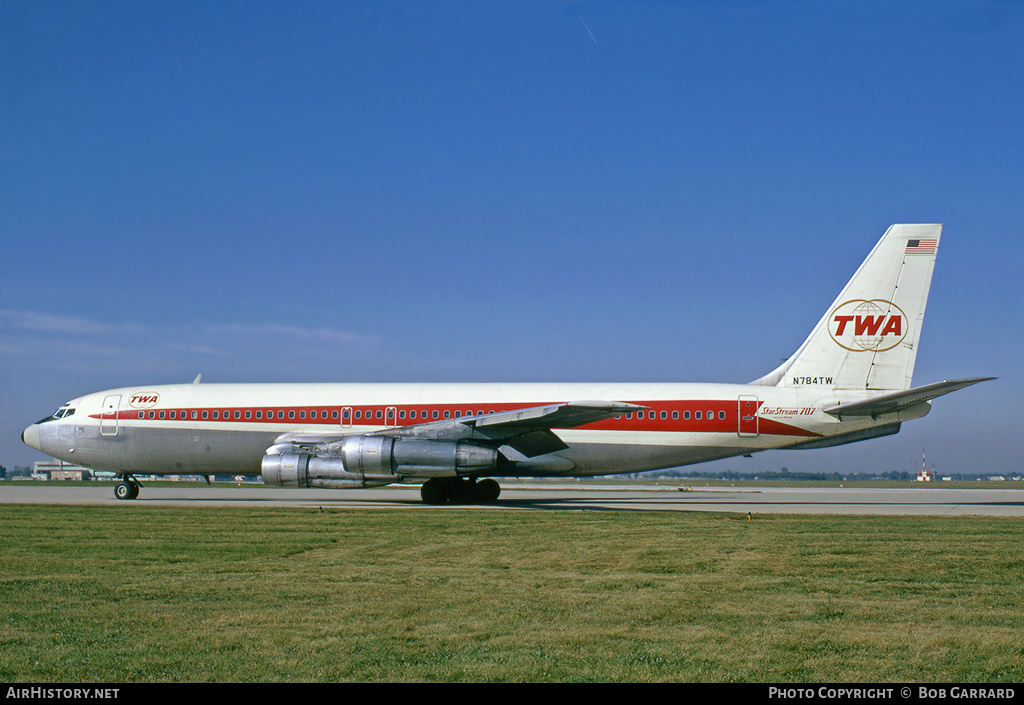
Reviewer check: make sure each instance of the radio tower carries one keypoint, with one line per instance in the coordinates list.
(924, 475)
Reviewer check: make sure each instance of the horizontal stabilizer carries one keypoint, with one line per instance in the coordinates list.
(888, 403)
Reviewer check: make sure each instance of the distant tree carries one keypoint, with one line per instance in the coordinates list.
(3, 473)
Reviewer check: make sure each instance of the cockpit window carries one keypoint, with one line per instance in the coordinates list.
(60, 413)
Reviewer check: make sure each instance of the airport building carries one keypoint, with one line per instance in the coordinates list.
(57, 470)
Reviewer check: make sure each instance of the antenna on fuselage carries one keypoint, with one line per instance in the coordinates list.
(198, 377)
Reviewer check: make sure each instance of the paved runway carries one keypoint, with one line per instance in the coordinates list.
(913, 500)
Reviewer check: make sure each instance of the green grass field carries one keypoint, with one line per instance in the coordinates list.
(125, 594)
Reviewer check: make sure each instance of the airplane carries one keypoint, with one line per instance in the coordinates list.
(849, 381)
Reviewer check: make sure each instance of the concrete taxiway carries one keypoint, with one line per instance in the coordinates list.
(923, 501)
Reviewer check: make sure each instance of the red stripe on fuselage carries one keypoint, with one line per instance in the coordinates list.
(715, 416)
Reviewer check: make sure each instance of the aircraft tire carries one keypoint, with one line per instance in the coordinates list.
(462, 492)
(487, 491)
(126, 490)
(459, 491)
(433, 492)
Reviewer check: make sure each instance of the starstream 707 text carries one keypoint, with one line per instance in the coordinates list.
(63, 693)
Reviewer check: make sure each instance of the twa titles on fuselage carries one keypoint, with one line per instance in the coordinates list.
(850, 380)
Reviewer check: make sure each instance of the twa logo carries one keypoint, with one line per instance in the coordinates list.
(144, 400)
(861, 325)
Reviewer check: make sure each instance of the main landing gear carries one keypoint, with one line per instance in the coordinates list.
(457, 490)
(127, 488)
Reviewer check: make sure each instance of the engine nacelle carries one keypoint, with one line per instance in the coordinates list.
(417, 458)
(305, 470)
(373, 461)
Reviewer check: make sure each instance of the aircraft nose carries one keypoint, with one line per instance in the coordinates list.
(31, 436)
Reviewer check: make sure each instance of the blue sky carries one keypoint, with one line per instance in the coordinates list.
(538, 190)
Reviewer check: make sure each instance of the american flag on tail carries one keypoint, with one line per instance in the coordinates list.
(927, 246)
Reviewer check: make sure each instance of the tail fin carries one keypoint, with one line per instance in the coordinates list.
(868, 338)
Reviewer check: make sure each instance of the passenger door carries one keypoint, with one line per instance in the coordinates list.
(108, 416)
(747, 417)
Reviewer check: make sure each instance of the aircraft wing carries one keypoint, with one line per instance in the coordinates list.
(888, 403)
(528, 431)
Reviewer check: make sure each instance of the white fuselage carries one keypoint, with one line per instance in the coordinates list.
(227, 428)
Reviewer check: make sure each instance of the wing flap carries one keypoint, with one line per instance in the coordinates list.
(529, 431)
(564, 415)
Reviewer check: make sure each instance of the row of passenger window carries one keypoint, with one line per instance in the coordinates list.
(698, 415)
(414, 414)
(292, 414)
(347, 414)
(315, 414)
(238, 414)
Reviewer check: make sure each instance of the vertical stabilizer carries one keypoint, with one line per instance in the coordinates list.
(868, 337)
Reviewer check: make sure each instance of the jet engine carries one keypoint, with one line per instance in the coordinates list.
(372, 461)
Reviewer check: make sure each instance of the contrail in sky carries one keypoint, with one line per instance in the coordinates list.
(592, 37)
